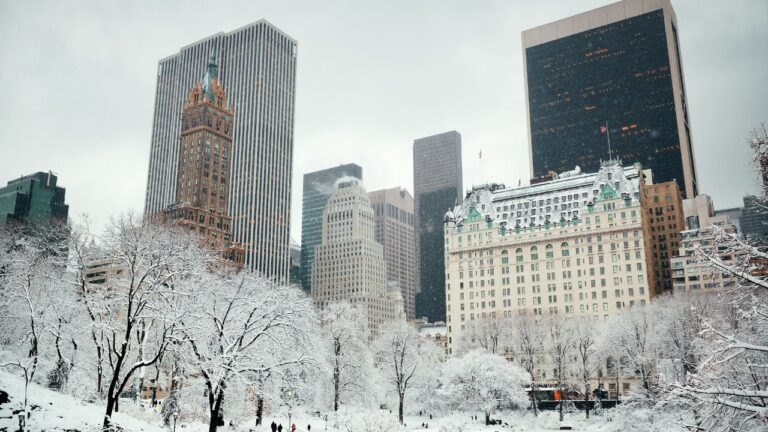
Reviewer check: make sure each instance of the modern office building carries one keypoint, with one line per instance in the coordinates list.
(203, 173)
(664, 207)
(35, 199)
(257, 65)
(318, 187)
(621, 65)
(437, 187)
(574, 245)
(754, 219)
(393, 211)
(295, 263)
(349, 264)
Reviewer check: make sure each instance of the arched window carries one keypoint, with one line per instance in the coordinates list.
(564, 249)
(519, 255)
(550, 251)
(534, 253)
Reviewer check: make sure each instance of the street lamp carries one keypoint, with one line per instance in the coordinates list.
(175, 414)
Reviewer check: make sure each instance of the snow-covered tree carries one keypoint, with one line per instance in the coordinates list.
(587, 357)
(242, 327)
(559, 345)
(490, 333)
(634, 342)
(528, 343)
(403, 356)
(31, 264)
(141, 312)
(348, 358)
(727, 389)
(483, 381)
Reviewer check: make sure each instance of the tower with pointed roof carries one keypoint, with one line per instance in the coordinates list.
(205, 151)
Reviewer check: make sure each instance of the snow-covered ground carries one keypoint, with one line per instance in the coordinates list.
(53, 411)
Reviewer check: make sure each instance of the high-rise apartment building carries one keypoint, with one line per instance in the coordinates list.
(318, 187)
(349, 264)
(664, 207)
(257, 65)
(393, 210)
(33, 199)
(205, 156)
(692, 274)
(619, 64)
(437, 187)
(573, 245)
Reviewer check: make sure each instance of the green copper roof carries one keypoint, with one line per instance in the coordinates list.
(607, 193)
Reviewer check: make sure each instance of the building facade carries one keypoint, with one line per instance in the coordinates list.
(619, 64)
(34, 198)
(349, 264)
(205, 157)
(574, 245)
(318, 187)
(664, 207)
(437, 187)
(690, 273)
(754, 219)
(393, 212)
(257, 64)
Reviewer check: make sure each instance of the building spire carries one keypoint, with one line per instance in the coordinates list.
(212, 73)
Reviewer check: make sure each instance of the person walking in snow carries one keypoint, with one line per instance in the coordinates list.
(273, 426)
(280, 427)
(293, 427)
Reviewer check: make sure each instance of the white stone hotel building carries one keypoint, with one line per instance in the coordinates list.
(573, 244)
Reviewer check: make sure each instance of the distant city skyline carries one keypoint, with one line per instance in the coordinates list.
(362, 98)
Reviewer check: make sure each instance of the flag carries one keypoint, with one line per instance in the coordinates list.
(481, 154)
(603, 129)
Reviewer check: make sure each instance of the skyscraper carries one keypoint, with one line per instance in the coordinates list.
(205, 156)
(437, 186)
(393, 210)
(349, 264)
(257, 64)
(318, 186)
(33, 199)
(619, 64)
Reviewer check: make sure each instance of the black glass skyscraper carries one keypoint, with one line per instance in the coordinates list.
(437, 184)
(618, 64)
(318, 187)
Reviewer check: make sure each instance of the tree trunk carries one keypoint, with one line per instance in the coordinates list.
(336, 375)
(259, 409)
(562, 399)
(533, 397)
(108, 415)
(586, 397)
(216, 411)
(487, 418)
(400, 409)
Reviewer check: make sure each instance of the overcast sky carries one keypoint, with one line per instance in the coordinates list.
(78, 82)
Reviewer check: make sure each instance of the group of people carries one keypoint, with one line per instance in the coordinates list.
(279, 427)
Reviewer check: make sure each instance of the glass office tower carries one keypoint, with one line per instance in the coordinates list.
(618, 64)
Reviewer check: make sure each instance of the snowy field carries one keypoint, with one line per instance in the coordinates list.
(53, 411)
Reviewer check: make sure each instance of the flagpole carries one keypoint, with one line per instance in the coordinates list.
(482, 179)
(608, 136)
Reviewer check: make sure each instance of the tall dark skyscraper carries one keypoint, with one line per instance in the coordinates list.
(33, 199)
(318, 187)
(619, 64)
(437, 185)
(257, 66)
